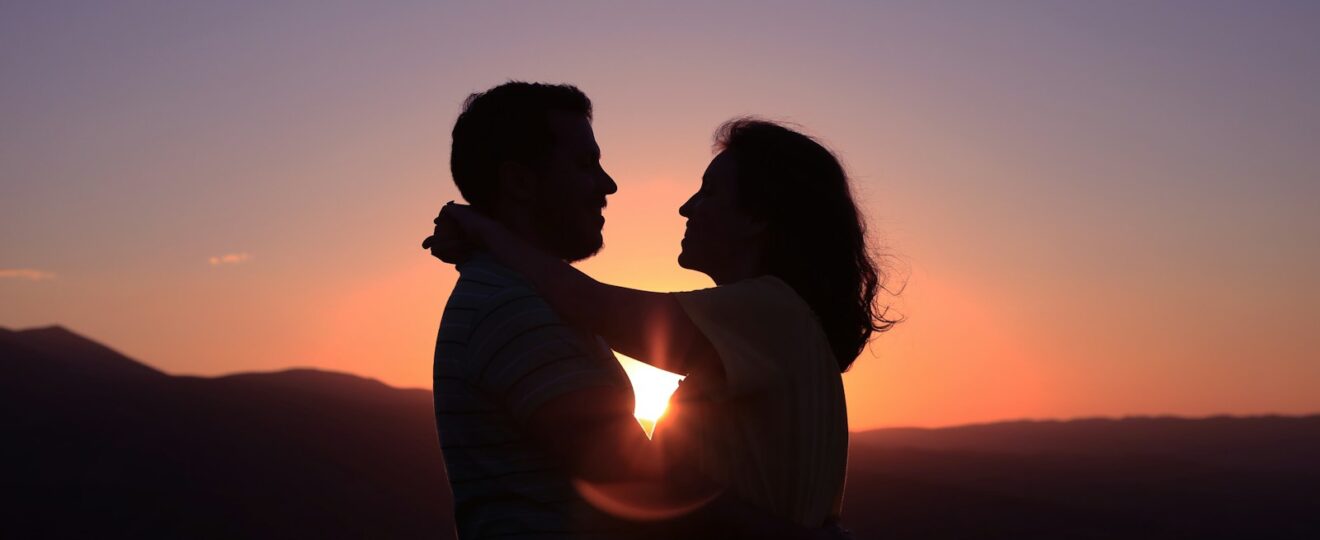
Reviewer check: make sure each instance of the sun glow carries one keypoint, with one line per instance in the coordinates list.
(652, 388)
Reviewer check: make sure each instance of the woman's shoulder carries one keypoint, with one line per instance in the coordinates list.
(775, 302)
(760, 293)
(762, 314)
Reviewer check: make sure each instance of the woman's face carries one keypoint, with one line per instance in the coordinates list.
(721, 237)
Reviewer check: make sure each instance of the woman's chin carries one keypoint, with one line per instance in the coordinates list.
(685, 260)
(688, 261)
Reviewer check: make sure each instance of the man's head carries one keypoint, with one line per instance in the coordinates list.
(525, 154)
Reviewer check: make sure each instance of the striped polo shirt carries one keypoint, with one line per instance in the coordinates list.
(502, 352)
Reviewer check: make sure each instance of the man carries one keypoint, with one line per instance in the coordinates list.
(530, 409)
(525, 403)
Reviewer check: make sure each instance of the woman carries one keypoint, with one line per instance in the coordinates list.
(762, 409)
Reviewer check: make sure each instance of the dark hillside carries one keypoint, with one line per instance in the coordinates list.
(101, 446)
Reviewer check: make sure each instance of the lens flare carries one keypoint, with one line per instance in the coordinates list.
(652, 388)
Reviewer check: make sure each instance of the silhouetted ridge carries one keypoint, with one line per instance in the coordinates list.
(1279, 442)
(73, 354)
(309, 453)
(105, 447)
(309, 379)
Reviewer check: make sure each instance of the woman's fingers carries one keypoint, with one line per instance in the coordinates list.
(451, 241)
(445, 226)
(451, 250)
(465, 215)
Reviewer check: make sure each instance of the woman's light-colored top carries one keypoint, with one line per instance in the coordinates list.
(774, 427)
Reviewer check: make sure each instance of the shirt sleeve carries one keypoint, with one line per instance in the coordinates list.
(757, 329)
(523, 355)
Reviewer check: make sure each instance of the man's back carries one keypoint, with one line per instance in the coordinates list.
(501, 353)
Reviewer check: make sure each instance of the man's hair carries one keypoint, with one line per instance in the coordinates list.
(817, 237)
(509, 122)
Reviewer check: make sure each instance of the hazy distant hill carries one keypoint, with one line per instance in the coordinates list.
(1132, 478)
(98, 445)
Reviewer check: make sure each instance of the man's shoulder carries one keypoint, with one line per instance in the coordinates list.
(484, 270)
(482, 281)
(491, 293)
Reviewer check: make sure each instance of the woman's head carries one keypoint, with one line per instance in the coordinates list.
(774, 201)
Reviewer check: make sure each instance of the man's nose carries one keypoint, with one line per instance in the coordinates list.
(608, 186)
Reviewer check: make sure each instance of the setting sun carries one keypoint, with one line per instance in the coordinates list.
(652, 387)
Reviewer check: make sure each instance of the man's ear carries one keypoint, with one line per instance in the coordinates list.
(516, 181)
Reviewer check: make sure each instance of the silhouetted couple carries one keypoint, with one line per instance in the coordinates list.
(535, 414)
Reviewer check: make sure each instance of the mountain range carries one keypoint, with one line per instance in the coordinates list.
(98, 445)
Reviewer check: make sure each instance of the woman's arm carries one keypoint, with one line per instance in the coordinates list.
(649, 326)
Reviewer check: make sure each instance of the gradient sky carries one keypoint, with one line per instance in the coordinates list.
(1096, 208)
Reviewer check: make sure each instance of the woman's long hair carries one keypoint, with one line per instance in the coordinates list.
(816, 238)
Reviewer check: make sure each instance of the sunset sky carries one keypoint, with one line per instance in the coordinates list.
(1092, 208)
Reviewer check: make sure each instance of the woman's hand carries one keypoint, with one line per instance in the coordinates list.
(459, 231)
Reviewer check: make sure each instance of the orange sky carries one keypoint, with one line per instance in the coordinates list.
(1096, 210)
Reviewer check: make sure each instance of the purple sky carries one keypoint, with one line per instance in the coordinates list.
(1097, 207)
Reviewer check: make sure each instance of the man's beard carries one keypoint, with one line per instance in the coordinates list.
(565, 232)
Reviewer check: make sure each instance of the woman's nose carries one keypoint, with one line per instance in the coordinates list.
(686, 209)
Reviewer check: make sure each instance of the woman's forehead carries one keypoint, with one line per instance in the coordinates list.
(722, 168)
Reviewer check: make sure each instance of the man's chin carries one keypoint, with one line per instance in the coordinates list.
(583, 250)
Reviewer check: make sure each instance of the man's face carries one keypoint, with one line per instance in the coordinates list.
(571, 190)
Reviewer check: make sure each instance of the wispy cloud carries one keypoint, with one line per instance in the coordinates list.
(25, 273)
(230, 258)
